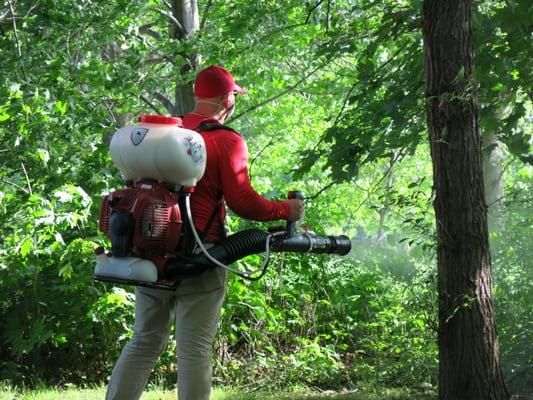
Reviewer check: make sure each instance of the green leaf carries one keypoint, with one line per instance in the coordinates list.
(43, 155)
(60, 107)
(26, 246)
(4, 116)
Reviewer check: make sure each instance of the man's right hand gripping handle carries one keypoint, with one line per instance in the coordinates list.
(297, 209)
(296, 204)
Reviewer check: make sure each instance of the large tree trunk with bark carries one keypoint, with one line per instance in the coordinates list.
(186, 13)
(469, 355)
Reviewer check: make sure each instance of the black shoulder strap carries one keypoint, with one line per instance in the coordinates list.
(214, 214)
(212, 125)
(188, 242)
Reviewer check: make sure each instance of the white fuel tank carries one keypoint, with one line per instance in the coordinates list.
(158, 148)
(126, 268)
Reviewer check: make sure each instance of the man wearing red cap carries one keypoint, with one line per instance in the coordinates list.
(195, 306)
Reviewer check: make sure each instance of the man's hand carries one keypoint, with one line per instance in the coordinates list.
(297, 209)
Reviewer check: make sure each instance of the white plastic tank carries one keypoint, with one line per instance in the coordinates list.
(158, 148)
(127, 268)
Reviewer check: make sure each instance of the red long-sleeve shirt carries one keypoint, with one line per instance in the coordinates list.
(226, 175)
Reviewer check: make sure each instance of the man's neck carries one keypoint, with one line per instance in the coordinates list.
(219, 117)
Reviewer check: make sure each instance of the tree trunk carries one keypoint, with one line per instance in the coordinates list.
(469, 366)
(493, 180)
(186, 12)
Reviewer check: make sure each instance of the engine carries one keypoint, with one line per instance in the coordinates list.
(142, 221)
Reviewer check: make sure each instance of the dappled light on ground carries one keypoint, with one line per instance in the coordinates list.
(218, 394)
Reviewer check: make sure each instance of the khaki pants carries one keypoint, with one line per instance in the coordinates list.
(195, 309)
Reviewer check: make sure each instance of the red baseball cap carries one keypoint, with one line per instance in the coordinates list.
(215, 81)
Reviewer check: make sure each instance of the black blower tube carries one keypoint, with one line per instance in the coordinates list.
(253, 241)
(306, 243)
(229, 250)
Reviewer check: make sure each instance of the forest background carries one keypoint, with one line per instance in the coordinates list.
(335, 107)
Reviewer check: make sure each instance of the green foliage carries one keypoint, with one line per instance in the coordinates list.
(349, 323)
(383, 109)
(54, 123)
(513, 273)
(56, 320)
(501, 34)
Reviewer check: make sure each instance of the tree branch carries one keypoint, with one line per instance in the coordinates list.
(150, 104)
(30, 192)
(287, 27)
(155, 50)
(169, 105)
(13, 15)
(204, 15)
(398, 156)
(352, 88)
(495, 201)
(252, 161)
(334, 182)
(155, 60)
(17, 41)
(147, 29)
(310, 11)
(111, 113)
(15, 33)
(277, 96)
(15, 185)
(167, 4)
(328, 16)
(504, 168)
(172, 20)
(4, 15)
(34, 5)
(278, 30)
(270, 143)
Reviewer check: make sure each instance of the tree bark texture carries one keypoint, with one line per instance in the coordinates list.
(469, 366)
(186, 12)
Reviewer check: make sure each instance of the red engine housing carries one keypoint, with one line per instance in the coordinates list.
(156, 217)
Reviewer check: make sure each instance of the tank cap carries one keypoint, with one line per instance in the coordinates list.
(159, 119)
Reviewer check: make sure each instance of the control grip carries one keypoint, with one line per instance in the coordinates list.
(293, 225)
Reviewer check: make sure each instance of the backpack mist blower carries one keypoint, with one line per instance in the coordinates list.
(149, 222)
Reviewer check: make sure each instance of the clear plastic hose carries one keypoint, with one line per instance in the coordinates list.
(214, 260)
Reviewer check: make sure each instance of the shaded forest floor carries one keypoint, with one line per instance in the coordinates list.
(218, 394)
(229, 394)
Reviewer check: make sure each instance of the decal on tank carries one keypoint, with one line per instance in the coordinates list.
(138, 134)
(194, 150)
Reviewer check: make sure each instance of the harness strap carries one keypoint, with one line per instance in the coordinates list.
(214, 214)
(212, 125)
(207, 126)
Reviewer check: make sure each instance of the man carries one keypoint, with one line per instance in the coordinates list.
(195, 305)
